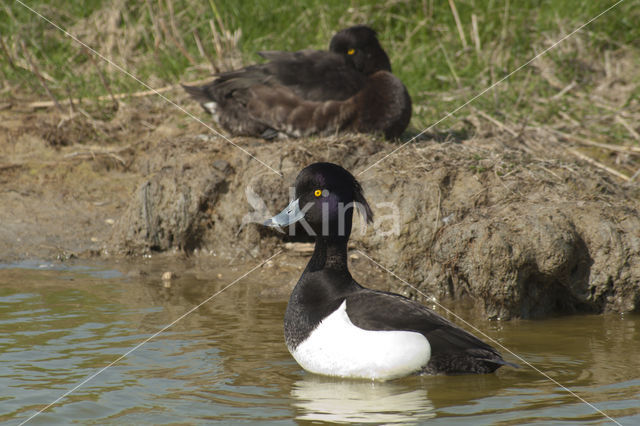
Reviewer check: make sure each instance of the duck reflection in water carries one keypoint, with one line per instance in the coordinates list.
(327, 399)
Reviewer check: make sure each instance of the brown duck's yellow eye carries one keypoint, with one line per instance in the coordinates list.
(317, 192)
(351, 51)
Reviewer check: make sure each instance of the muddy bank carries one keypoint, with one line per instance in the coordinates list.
(477, 219)
(512, 224)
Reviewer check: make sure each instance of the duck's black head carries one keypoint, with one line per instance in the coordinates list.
(361, 46)
(325, 196)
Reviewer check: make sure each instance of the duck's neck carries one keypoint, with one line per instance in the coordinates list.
(329, 253)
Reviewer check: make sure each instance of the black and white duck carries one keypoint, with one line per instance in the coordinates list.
(336, 327)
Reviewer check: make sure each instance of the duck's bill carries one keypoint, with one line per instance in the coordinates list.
(291, 214)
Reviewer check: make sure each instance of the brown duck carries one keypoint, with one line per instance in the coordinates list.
(349, 88)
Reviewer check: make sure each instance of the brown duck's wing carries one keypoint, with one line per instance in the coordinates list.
(282, 98)
(232, 85)
(314, 75)
(281, 109)
(251, 102)
(383, 105)
(226, 99)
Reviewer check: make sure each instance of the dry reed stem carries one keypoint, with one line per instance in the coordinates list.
(143, 93)
(224, 44)
(598, 164)
(176, 34)
(475, 35)
(217, 45)
(627, 126)
(496, 122)
(203, 52)
(570, 119)
(169, 35)
(505, 22)
(157, 34)
(450, 65)
(103, 78)
(93, 154)
(562, 92)
(3, 46)
(72, 106)
(456, 17)
(34, 69)
(585, 141)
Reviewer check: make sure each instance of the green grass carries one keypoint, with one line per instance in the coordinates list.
(421, 38)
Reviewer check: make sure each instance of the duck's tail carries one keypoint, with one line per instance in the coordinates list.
(501, 362)
(199, 93)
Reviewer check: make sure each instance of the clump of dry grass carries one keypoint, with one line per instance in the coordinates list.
(589, 119)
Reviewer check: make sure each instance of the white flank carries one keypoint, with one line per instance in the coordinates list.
(338, 348)
(212, 107)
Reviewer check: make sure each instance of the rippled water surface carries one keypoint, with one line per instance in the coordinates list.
(227, 361)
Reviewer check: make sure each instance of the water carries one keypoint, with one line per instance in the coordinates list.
(227, 361)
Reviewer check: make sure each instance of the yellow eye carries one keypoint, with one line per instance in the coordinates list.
(317, 192)
(351, 51)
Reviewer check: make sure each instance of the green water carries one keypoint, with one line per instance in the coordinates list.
(227, 360)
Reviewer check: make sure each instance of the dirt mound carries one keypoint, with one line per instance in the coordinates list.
(502, 217)
(528, 237)
(480, 219)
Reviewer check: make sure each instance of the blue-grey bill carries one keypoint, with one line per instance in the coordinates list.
(291, 214)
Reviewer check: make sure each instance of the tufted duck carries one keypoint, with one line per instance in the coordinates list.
(334, 326)
(348, 88)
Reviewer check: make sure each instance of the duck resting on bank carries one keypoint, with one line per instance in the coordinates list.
(349, 88)
(336, 327)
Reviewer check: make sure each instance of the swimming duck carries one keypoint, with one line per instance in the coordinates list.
(334, 326)
(348, 88)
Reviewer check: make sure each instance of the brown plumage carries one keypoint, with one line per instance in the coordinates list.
(310, 92)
